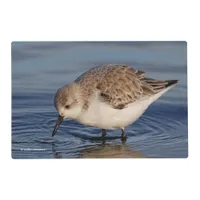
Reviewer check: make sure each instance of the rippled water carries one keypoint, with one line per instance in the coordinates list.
(39, 69)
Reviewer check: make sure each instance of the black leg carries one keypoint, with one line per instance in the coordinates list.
(123, 135)
(103, 133)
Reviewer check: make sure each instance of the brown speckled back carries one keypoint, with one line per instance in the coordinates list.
(119, 85)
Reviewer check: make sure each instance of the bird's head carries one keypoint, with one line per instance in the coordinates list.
(68, 103)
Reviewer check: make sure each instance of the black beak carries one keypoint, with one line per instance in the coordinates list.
(59, 121)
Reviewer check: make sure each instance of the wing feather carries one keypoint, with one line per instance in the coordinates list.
(120, 85)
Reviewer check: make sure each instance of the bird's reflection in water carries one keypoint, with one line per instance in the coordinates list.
(110, 151)
(102, 150)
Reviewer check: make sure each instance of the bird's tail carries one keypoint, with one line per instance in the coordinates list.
(158, 87)
(153, 86)
(170, 83)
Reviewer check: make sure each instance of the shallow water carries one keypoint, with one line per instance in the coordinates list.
(39, 69)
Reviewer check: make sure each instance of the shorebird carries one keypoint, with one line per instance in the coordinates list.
(110, 96)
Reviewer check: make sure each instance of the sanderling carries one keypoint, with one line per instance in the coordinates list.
(109, 96)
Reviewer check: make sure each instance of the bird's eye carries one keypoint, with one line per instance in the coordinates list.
(67, 106)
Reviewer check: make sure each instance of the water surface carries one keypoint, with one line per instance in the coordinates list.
(40, 68)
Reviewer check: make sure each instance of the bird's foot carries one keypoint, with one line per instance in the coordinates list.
(103, 133)
(123, 139)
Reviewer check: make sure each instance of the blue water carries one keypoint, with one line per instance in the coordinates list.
(40, 68)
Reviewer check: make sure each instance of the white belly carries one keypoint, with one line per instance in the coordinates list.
(103, 116)
(100, 114)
